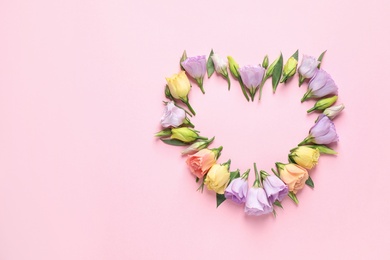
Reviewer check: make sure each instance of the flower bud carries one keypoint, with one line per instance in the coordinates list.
(305, 156)
(233, 66)
(220, 64)
(289, 69)
(265, 62)
(323, 103)
(197, 146)
(333, 111)
(184, 134)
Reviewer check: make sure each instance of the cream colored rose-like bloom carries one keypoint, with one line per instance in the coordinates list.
(217, 178)
(306, 157)
(179, 85)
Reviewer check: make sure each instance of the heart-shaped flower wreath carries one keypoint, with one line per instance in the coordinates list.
(288, 178)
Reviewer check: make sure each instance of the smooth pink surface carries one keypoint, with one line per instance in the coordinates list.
(81, 90)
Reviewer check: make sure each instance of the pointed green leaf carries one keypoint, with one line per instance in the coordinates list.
(277, 73)
(183, 58)
(278, 204)
(320, 59)
(234, 175)
(274, 213)
(323, 149)
(295, 55)
(174, 142)
(293, 197)
(210, 64)
(309, 182)
(220, 198)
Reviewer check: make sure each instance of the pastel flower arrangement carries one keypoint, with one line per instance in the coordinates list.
(287, 179)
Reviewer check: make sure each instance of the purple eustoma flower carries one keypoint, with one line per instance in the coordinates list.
(237, 190)
(275, 188)
(251, 77)
(173, 116)
(320, 86)
(308, 67)
(257, 202)
(196, 67)
(323, 132)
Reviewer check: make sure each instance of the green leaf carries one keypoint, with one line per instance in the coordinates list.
(183, 58)
(295, 55)
(220, 198)
(323, 149)
(210, 64)
(277, 73)
(174, 142)
(278, 204)
(293, 197)
(309, 182)
(290, 159)
(197, 179)
(234, 175)
(320, 59)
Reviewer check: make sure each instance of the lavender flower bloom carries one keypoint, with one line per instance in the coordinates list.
(251, 77)
(320, 86)
(173, 116)
(196, 67)
(257, 202)
(237, 190)
(308, 67)
(275, 188)
(323, 132)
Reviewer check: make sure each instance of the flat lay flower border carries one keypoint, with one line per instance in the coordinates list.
(287, 179)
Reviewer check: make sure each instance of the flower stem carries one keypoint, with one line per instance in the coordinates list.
(261, 86)
(185, 101)
(243, 88)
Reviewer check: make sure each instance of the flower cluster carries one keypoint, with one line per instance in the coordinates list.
(268, 190)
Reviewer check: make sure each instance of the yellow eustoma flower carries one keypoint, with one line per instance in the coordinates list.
(306, 157)
(179, 85)
(218, 178)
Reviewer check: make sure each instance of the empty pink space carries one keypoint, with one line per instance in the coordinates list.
(81, 91)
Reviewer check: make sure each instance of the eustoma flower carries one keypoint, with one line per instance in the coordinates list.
(275, 189)
(252, 77)
(179, 87)
(290, 68)
(320, 86)
(304, 156)
(220, 65)
(323, 132)
(238, 189)
(173, 116)
(196, 67)
(256, 201)
(200, 162)
(293, 175)
(308, 68)
(218, 177)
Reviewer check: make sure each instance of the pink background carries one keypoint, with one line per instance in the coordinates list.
(81, 90)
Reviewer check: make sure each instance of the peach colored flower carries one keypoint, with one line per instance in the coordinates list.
(200, 162)
(293, 175)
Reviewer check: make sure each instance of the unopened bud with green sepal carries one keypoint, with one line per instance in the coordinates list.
(265, 62)
(323, 104)
(233, 66)
(290, 68)
(185, 134)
